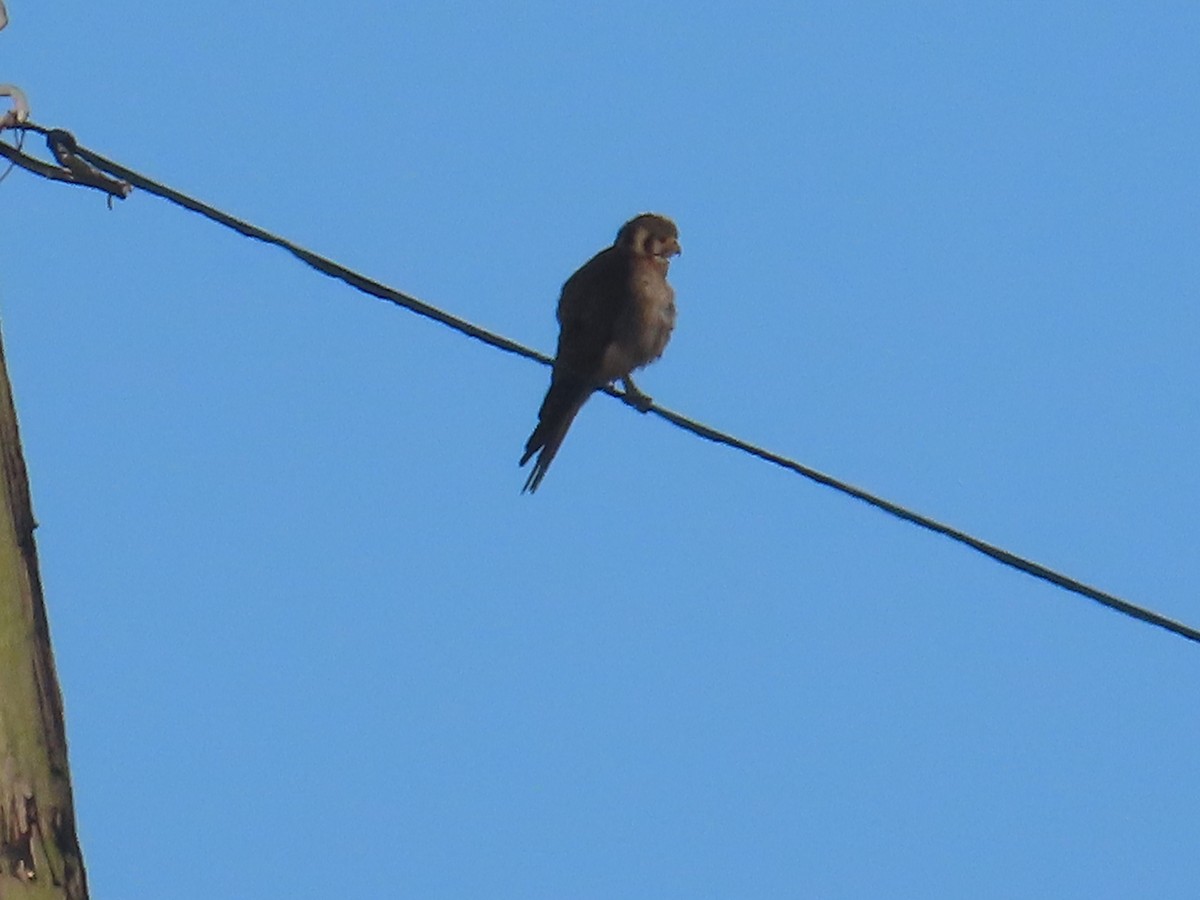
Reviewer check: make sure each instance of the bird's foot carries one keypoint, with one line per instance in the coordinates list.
(635, 398)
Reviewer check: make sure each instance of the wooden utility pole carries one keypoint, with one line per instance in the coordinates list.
(39, 850)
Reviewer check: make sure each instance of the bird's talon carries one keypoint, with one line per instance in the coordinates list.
(639, 401)
(634, 397)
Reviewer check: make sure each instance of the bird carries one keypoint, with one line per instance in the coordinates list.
(615, 315)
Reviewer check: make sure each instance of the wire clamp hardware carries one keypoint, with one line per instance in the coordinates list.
(66, 150)
(72, 167)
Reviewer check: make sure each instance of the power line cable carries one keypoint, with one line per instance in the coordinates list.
(360, 282)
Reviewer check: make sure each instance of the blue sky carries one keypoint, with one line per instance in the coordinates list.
(311, 638)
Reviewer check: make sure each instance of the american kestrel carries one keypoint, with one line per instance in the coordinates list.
(615, 315)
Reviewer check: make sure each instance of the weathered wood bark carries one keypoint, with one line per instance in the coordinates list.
(39, 851)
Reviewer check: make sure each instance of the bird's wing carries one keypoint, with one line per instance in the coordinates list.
(593, 301)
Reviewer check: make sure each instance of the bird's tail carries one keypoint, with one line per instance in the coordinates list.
(563, 401)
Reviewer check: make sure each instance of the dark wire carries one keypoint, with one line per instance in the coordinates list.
(374, 288)
(12, 163)
(320, 263)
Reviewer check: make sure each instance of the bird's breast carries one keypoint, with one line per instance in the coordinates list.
(643, 334)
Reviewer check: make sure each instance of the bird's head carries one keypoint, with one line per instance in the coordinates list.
(650, 235)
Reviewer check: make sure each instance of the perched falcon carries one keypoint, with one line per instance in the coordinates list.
(615, 315)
